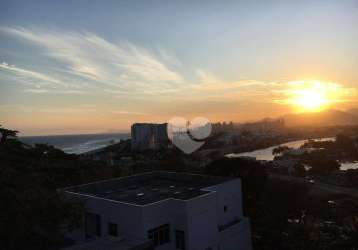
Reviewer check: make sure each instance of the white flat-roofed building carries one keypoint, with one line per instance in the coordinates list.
(163, 211)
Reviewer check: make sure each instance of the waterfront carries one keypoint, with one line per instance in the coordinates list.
(267, 155)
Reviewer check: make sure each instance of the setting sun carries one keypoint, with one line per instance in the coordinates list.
(312, 95)
(311, 99)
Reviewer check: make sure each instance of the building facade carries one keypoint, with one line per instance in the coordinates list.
(264, 126)
(148, 136)
(163, 211)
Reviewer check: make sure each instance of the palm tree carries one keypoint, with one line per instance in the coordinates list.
(5, 133)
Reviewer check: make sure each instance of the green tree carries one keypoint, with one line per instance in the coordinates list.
(34, 212)
(5, 133)
(252, 173)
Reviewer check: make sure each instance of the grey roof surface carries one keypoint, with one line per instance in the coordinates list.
(150, 187)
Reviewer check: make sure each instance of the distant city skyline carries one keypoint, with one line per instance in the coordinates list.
(73, 67)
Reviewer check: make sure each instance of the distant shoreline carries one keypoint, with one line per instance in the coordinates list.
(84, 134)
(77, 143)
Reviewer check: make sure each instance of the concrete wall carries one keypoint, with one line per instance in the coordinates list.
(169, 211)
(128, 218)
(236, 235)
(202, 231)
(228, 195)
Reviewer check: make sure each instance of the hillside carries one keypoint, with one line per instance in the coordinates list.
(324, 118)
(353, 111)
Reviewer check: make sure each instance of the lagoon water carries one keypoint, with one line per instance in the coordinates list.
(266, 154)
(349, 165)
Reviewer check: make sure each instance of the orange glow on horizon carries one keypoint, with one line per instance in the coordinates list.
(313, 95)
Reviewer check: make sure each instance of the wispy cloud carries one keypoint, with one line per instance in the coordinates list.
(126, 112)
(52, 91)
(81, 109)
(84, 62)
(31, 76)
(212, 87)
(118, 65)
(122, 69)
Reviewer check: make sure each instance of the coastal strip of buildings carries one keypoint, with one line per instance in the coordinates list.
(151, 136)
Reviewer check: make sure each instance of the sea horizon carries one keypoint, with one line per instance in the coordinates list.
(76, 143)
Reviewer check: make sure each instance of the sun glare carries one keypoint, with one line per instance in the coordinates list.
(311, 100)
(312, 96)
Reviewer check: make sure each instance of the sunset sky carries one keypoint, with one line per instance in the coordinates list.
(71, 67)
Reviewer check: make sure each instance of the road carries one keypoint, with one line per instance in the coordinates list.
(318, 186)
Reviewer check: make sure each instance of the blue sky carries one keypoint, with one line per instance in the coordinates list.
(94, 66)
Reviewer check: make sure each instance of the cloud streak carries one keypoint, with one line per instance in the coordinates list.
(126, 112)
(90, 63)
(118, 65)
(52, 91)
(83, 63)
(40, 78)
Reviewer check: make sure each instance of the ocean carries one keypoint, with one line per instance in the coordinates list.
(77, 144)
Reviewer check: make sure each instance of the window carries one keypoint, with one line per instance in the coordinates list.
(160, 235)
(92, 225)
(112, 229)
(180, 239)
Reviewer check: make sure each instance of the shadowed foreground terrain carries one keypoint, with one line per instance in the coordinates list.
(284, 214)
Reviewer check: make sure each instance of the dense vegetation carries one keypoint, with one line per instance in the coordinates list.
(343, 148)
(286, 215)
(283, 215)
(323, 158)
(33, 211)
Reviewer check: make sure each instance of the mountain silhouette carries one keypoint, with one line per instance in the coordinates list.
(324, 118)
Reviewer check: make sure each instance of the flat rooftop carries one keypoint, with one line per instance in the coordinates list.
(150, 187)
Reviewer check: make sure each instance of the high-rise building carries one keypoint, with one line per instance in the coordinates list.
(146, 136)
